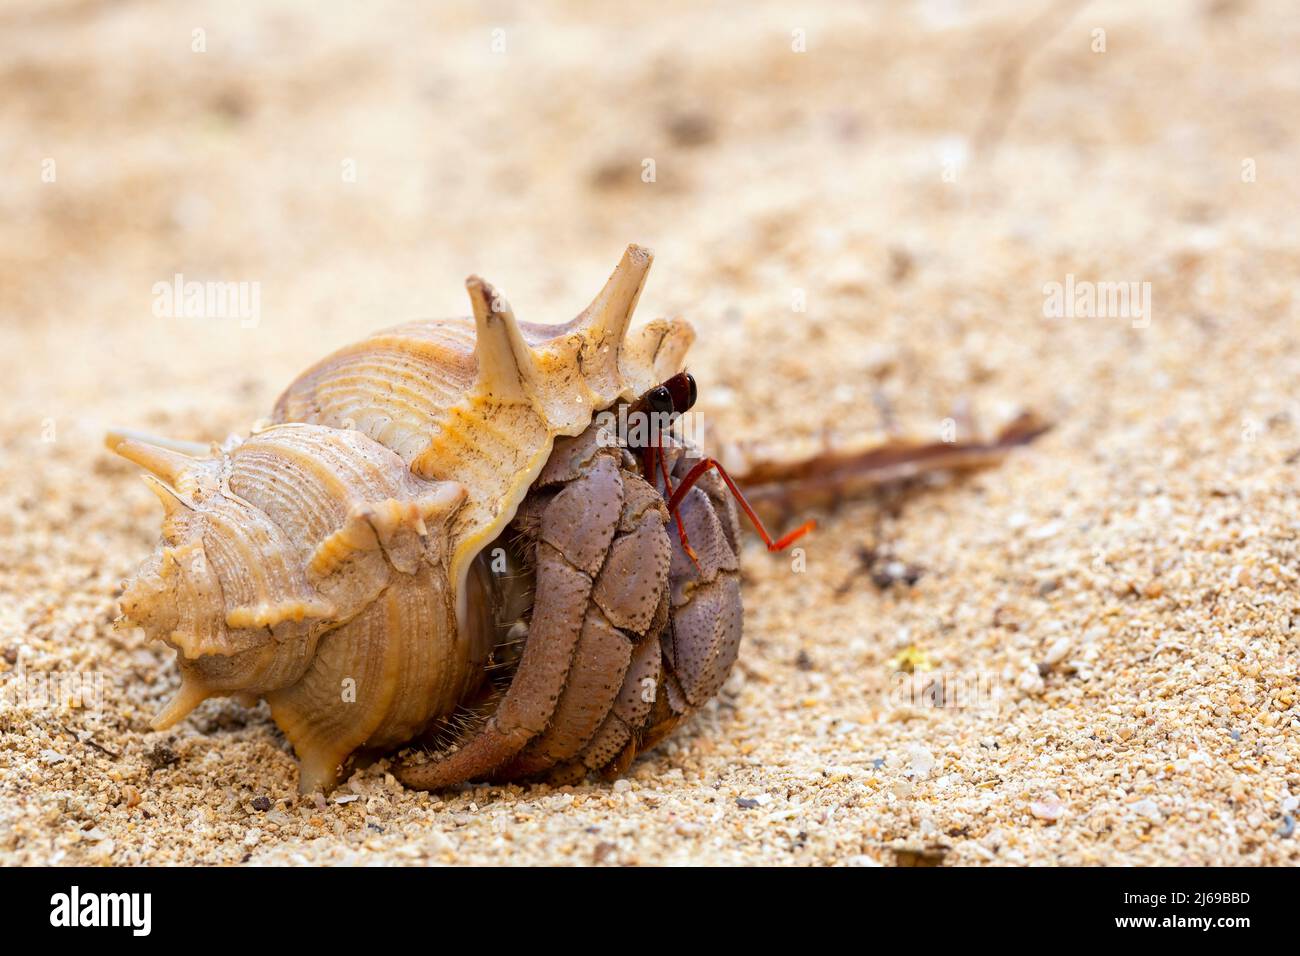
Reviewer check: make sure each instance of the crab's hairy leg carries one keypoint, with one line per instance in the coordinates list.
(628, 603)
(575, 533)
(600, 663)
(636, 698)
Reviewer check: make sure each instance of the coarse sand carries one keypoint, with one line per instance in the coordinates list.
(861, 208)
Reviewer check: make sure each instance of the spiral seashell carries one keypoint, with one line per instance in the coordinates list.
(324, 563)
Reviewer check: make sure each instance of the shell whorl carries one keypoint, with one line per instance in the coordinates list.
(321, 562)
(306, 565)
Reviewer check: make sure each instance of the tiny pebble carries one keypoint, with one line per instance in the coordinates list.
(1050, 808)
(922, 761)
(1057, 652)
(1148, 809)
(1030, 682)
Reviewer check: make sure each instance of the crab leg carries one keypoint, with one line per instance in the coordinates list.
(599, 666)
(703, 465)
(576, 530)
(624, 611)
(636, 698)
(624, 606)
(657, 453)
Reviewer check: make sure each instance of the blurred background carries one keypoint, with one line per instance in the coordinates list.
(911, 172)
(858, 205)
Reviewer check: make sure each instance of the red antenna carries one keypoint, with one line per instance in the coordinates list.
(674, 397)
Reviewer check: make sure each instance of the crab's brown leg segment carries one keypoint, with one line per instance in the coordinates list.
(601, 661)
(702, 638)
(701, 644)
(636, 698)
(703, 465)
(576, 530)
(624, 609)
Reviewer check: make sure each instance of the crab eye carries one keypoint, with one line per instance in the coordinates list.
(691, 393)
(660, 400)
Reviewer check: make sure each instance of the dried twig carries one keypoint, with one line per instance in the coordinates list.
(830, 476)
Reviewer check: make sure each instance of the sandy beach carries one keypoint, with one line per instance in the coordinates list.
(870, 213)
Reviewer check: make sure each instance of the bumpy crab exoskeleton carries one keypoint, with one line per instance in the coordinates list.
(627, 634)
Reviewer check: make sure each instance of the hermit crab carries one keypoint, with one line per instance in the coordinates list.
(435, 537)
(441, 537)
